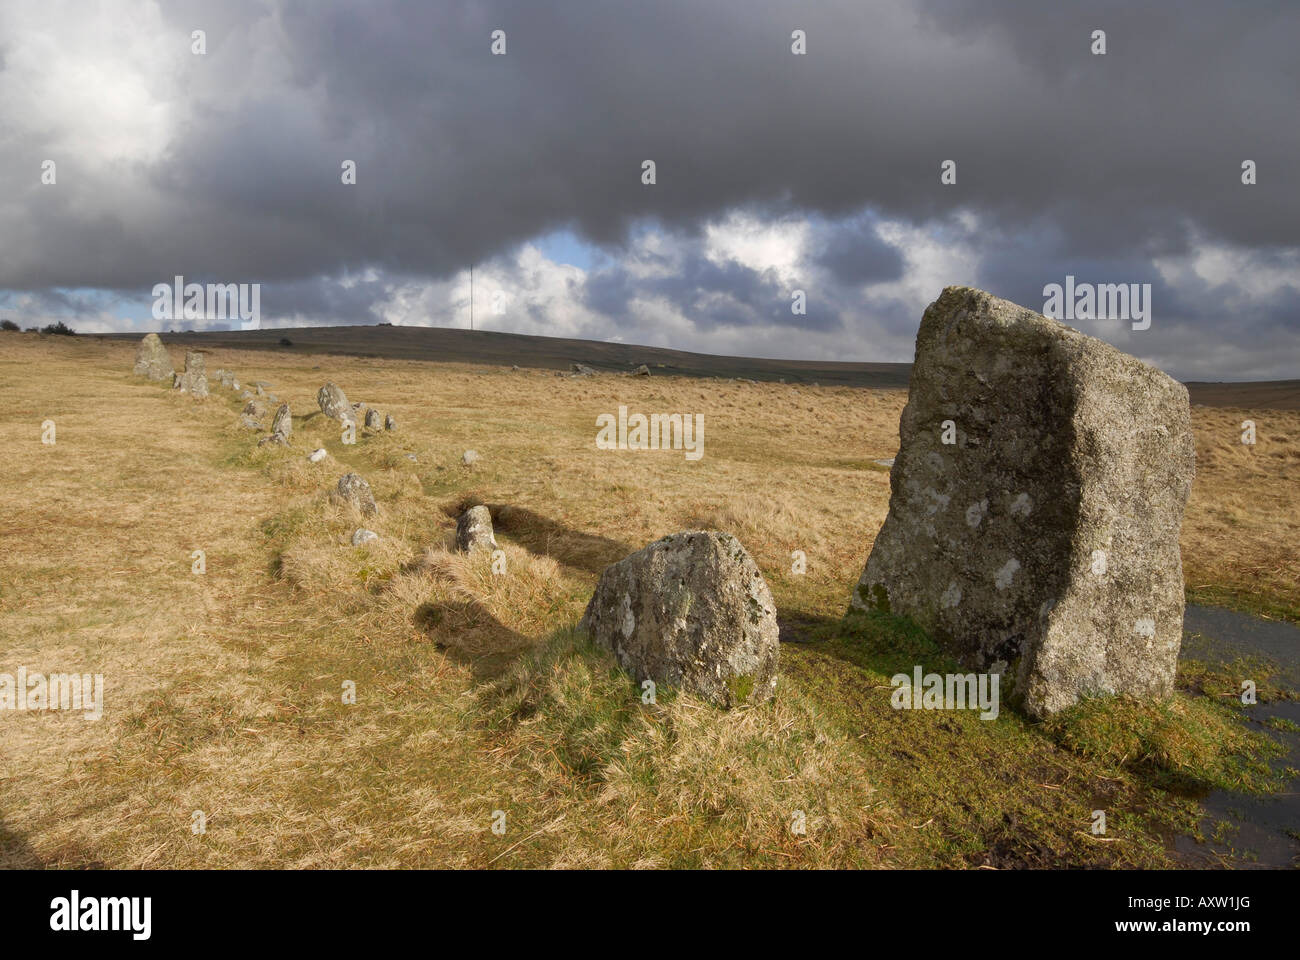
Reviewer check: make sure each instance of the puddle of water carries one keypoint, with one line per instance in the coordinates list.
(1261, 836)
(1226, 634)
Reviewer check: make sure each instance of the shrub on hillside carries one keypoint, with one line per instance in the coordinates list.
(8, 325)
(60, 328)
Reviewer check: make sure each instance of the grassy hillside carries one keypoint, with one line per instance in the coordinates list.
(473, 692)
(451, 345)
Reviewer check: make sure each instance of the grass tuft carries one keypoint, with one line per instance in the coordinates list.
(1199, 744)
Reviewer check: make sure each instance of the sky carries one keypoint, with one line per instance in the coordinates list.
(129, 156)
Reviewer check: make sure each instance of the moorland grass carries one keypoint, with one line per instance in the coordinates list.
(474, 694)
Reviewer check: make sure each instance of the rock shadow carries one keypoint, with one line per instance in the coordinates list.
(16, 853)
(472, 635)
(546, 537)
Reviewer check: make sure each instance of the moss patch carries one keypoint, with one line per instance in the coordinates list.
(741, 687)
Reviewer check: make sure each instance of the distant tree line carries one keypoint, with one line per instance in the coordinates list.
(60, 328)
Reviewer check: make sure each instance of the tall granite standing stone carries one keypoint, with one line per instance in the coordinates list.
(152, 359)
(1036, 503)
(691, 610)
(194, 380)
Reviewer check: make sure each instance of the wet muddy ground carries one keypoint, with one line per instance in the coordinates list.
(1264, 830)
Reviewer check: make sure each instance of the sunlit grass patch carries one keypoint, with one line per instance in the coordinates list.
(678, 780)
(1197, 742)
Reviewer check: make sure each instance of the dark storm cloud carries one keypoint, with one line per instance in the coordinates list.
(1028, 260)
(462, 155)
(854, 253)
(323, 300)
(711, 294)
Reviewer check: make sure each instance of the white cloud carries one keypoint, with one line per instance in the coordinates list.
(931, 261)
(96, 79)
(743, 238)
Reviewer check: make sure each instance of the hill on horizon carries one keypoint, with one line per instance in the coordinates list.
(457, 345)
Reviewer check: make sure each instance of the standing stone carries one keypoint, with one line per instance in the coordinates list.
(1041, 540)
(317, 455)
(194, 380)
(469, 458)
(334, 403)
(642, 371)
(152, 359)
(354, 490)
(282, 425)
(390, 423)
(693, 611)
(474, 530)
(372, 419)
(361, 536)
(582, 370)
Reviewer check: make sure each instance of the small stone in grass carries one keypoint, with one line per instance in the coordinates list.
(353, 489)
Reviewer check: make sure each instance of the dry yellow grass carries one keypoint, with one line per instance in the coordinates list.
(1241, 538)
(224, 690)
